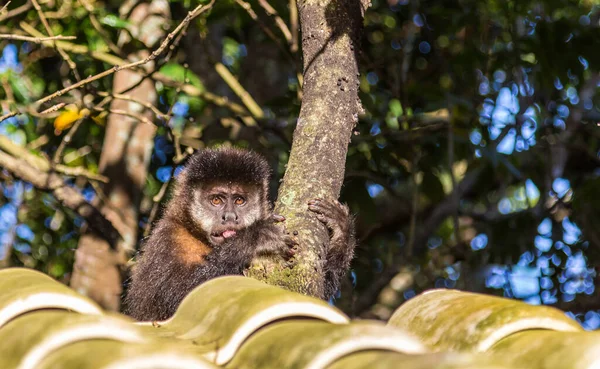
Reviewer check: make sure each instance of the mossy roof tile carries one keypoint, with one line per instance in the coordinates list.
(26, 340)
(315, 345)
(105, 354)
(242, 323)
(541, 349)
(448, 320)
(23, 290)
(221, 313)
(394, 360)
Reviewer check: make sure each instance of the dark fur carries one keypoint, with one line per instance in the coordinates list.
(179, 254)
(340, 223)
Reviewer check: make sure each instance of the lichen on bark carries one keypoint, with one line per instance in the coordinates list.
(330, 108)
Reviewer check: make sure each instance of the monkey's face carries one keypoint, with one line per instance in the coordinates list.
(222, 210)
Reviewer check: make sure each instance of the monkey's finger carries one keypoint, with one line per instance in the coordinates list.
(325, 209)
(277, 218)
(328, 221)
(287, 254)
(332, 209)
(291, 242)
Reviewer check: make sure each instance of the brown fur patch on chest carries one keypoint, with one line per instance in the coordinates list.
(188, 249)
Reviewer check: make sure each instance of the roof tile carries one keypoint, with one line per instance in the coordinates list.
(221, 313)
(27, 339)
(541, 349)
(315, 345)
(242, 323)
(448, 320)
(394, 360)
(23, 290)
(105, 354)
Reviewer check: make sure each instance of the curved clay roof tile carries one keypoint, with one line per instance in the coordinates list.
(24, 290)
(29, 338)
(221, 314)
(316, 345)
(451, 320)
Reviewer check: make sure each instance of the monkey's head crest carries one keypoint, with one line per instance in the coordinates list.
(228, 165)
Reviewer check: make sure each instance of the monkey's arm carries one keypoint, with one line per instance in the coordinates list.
(340, 223)
(161, 281)
(262, 238)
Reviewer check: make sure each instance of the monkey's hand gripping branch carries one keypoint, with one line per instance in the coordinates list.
(262, 239)
(340, 223)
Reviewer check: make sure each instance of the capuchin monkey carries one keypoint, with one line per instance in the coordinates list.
(218, 220)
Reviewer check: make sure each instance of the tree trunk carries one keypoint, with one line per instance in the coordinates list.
(125, 156)
(330, 41)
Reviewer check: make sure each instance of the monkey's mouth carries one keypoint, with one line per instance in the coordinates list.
(224, 235)
(228, 233)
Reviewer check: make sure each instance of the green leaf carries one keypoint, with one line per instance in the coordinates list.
(114, 21)
(396, 107)
(178, 73)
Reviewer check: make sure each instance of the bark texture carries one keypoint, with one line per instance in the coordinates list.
(330, 40)
(125, 156)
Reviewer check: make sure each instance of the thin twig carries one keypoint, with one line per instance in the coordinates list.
(191, 90)
(98, 27)
(278, 21)
(8, 115)
(248, 8)
(191, 15)
(62, 53)
(146, 104)
(172, 134)
(294, 25)
(12, 13)
(38, 142)
(67, 195)
(66, 8)
(289, 53)
(65, 141)
(36, 40)
(75, 48)
(4, 7)
(239, 90)
(127, 114)
(43, 165)
(53, 108)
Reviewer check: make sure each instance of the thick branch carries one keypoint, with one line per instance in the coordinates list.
(329, 112)
(44, 165)
(68, 196)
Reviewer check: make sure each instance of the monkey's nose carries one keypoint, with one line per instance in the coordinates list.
(229, 217)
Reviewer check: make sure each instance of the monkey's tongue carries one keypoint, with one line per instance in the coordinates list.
(228, 234)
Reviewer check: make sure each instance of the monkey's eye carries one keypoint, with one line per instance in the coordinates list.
(216, 201)
(239, 201)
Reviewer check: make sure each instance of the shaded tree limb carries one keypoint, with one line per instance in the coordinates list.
(68, 196)
(126, 152)
(43, 165)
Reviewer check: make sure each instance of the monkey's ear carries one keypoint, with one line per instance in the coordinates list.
(181, 183)
(182, 176)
